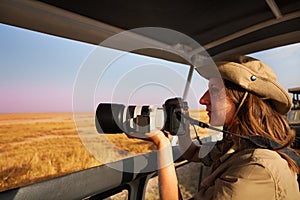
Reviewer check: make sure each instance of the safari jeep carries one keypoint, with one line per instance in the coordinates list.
(293, 116)
(222, 28)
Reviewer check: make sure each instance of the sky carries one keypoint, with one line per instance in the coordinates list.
(43, 73)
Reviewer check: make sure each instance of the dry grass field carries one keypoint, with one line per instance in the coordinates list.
(39, 146)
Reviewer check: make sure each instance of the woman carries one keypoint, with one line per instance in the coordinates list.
(249, 163)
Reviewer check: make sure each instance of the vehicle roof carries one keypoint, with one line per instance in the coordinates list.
(295, 90)
(221, 27)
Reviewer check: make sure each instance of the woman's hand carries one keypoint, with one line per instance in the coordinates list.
(159, 139)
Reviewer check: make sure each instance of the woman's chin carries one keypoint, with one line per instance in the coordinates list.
(216, 122)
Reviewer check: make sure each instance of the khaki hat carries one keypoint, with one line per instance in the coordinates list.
(256, 77)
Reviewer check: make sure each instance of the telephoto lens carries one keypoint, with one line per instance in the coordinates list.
(118, 118)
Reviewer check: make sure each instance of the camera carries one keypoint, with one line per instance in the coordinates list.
(118, 118)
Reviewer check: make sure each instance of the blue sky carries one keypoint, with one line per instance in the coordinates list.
(38, 73)
(285, 61)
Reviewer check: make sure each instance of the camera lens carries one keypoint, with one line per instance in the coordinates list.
(117, 118)
(109, 118)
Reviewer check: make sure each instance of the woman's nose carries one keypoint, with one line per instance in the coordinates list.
(205, 99)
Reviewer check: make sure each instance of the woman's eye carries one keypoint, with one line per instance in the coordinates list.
(214, 91)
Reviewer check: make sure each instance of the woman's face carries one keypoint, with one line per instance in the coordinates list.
(220, 108)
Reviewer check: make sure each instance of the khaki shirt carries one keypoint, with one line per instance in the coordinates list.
(252, 174)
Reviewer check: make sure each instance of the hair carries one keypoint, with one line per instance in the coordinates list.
(258, 116)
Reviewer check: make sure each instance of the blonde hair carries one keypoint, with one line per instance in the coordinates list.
(257, 116)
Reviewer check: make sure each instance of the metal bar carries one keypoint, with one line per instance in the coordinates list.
(247, 31)
(188, 81)
(273, 6)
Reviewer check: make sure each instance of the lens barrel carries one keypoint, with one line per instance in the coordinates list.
(118, 118)
(109, 118)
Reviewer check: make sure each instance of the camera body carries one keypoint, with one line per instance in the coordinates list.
(175, 124)
(117, 118)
